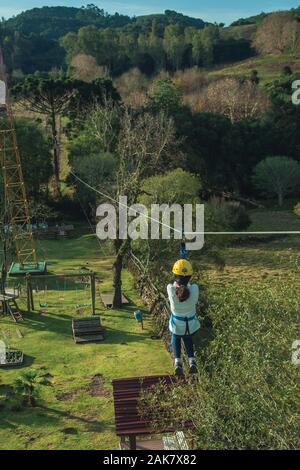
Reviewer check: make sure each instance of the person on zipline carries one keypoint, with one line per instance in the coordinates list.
(183, 324)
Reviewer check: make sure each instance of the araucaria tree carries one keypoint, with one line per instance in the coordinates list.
(144, 144)
(54, 97)
(277, 176)
(48, 97)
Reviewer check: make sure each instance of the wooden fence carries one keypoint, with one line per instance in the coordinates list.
(152, 295)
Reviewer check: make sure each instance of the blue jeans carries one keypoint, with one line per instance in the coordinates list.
(188, 343)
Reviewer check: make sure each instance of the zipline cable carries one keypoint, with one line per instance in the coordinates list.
(281, 232)
(122, 204)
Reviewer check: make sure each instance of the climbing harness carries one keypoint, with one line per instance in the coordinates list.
(187, 328)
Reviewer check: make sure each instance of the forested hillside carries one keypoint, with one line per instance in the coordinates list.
(46, 38)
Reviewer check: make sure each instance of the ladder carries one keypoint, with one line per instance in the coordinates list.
(12, 307)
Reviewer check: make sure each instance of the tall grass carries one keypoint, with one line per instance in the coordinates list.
(246, 396)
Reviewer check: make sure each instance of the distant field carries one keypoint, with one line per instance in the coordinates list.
(264, 257)
(268, 67)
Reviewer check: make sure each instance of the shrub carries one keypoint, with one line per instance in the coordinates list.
(246, 396)
(227, 215)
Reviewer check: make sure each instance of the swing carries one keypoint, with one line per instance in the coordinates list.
(80, 306)
(62, 295)
(43, 305)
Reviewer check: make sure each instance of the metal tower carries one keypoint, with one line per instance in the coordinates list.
(17, 210)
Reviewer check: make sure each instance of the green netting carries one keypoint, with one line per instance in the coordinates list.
(17, 270)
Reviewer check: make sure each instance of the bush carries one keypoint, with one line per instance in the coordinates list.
(225, 215)
(297, 209)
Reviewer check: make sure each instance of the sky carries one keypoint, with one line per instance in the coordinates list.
(224, 11)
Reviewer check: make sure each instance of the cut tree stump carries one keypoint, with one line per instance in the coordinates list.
(107, 299)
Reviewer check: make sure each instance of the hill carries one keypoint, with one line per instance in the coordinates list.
(55, 22)
(51, 37)
(257, 19)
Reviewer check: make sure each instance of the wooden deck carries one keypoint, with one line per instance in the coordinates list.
(151, 444)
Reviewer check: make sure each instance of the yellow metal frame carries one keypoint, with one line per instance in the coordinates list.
(14, 186)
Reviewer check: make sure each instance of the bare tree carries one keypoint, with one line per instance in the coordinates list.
(234, 98)
(86, 68)
(146, 144)
(133, 87)
(278, 33)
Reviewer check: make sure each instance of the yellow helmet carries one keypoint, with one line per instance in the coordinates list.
(182, 267)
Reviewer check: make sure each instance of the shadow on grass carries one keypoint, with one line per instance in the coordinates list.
(60, 324)
(51, 416)
(54, 413)
(122, 337)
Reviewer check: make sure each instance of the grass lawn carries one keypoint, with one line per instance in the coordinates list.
(264, 257)
(76, 412)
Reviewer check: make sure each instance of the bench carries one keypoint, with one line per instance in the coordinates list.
(87, 330)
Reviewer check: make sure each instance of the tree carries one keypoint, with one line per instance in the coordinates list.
(84, 67)
(236, 99)
(166, 96)
(49, 97)
(174, 45)
(277, 175)
(209, 36)
(173, 187)
(133, 87)
(278, 33)
(28, 384)
(35, 152)
(56, 96)
(145, 144)
(297, 209)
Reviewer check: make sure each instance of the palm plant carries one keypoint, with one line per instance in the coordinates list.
(28, 386)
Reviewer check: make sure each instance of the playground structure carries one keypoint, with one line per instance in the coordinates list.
(54, 293)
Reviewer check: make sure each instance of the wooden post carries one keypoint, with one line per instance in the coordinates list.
(132, 442)
(28, 293)
(93, 293)
(31, 295)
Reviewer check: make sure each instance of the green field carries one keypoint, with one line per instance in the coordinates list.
(268, 67)
(76, 411)
(263, 257)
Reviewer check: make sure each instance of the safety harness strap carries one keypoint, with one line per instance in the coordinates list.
(187, 328)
